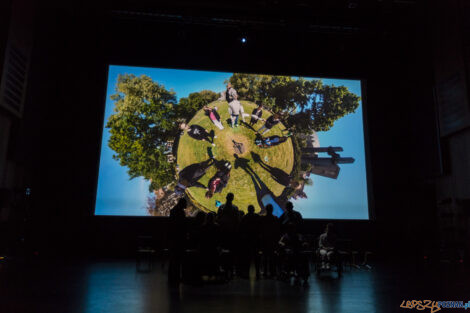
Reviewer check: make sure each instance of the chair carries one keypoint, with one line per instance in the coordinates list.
(337, 261)
(345, 250)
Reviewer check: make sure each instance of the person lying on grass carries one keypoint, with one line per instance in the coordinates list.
(220, 180)
(189, 176)
(271, 141)
(198, 132)
(213, 116)
(272, 121)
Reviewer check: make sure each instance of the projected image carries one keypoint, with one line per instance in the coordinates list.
(268, 139)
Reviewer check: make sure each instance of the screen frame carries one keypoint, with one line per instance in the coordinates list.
(365, 128)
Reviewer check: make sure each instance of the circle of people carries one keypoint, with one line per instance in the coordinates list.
(189, 176)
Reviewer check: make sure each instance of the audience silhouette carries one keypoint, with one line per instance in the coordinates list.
(216, 246)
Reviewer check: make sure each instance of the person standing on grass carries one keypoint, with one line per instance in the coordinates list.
(235, 108)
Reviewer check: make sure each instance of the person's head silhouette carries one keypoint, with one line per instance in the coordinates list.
(229, 197)
(269, 209)
(251, 209)
(289, 207)
(329, 228)
(181, 205)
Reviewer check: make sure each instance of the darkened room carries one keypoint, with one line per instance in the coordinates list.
(234, 156)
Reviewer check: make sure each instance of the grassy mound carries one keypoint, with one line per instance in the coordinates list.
(192, 151)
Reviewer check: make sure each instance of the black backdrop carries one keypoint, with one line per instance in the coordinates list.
(66, 96)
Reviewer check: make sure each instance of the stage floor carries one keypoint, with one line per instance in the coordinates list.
(115, 286)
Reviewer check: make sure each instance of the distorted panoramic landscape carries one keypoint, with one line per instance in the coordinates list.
(171, 133)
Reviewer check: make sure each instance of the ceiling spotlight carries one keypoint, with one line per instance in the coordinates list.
(243, 39)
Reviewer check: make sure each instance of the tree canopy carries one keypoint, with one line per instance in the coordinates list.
(143, 120)
(307, 104)
(188, 106)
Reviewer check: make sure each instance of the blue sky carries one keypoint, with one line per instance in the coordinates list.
(344, 198)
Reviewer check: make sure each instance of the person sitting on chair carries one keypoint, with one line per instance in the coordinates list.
(326, 246)
(292, 243)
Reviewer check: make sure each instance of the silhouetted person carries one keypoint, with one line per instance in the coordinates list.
(209, 244)
(292, 244)
(271, 121)
(198, 132)
(290, 216)
(220, 180)
(269, 235)
(176, 240)
(249, 235)
(189, 176)
(228, 218)
(327, 246)
(194, 230)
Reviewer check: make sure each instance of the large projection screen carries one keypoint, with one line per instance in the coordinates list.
(172, 133)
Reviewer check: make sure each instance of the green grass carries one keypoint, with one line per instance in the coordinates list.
(194, 151)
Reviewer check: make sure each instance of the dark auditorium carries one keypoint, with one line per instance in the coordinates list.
(234, 156)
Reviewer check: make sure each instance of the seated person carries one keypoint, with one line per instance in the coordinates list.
(326, 246)
(220, 180)
(198, 132)
(256, 114)
(290, 216)
(292, 243)
(213, 116)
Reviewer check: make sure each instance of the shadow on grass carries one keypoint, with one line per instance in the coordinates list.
(260, 187)
(190, 175)
(247, 125)
(277, 174)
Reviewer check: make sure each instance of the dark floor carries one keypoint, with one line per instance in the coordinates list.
(115, 286)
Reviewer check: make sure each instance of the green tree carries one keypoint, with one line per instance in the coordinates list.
(143, 120)
(306, 104)
(187, 107)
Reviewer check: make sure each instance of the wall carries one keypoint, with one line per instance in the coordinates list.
(73, 46)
